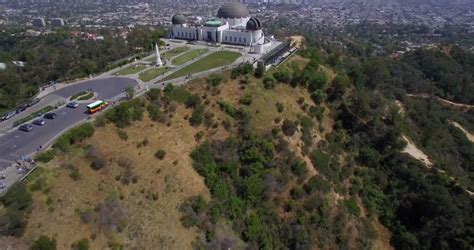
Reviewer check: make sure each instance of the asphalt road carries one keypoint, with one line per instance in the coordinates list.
(18, 143)
(106, 88)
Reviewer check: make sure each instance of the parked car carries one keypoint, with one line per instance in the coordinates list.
(2, 185)
(39, 122)
(50, 116)
(72, 105)
(9, 115)
(2, 176)
(26, 127)
(34, 101)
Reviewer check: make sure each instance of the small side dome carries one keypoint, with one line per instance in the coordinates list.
(254, 24)
(178, 19)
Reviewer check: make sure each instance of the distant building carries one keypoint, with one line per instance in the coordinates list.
(58, 22)
(232, 25)
(39, 22)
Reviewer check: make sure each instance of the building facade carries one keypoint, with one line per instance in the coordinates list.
(232, 25)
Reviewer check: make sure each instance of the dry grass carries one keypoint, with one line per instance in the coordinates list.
(151, 204)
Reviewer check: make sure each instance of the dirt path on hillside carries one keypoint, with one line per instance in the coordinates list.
(444, 101)
(468, 134)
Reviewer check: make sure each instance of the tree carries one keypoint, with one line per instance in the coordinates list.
(319, 96)
(260, 70)
(129, 92)
(376, 71)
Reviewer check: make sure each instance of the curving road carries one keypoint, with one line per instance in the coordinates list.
(17, 143)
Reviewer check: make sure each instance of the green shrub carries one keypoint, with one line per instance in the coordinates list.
(215, 80)
(197, 116)
(160, 154)
(12, 223)
(122, 134)
(246, 100)
(126, 112)
(44, 243)
(269, 82)
(228, 108)
(288, 127)
(74, 174)
(317, 183)
(74, 135)
(17, 198)
(153, 95)
(154, 112)
(178, 94)
(81, 245)
(352, 207)
(193, 101)
(242, 69)
(282, 75)
(299, 168)
(319, 96)
(45, 156)
(100, 121)
(97, 160)
(317, 112)
(279, 107)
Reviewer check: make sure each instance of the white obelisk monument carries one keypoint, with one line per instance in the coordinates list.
(159, 63)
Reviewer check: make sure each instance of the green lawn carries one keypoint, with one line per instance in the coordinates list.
(188, 56)
(75, 96)
(214, 60)
(152, 73)
(169, 54)
(131, 70)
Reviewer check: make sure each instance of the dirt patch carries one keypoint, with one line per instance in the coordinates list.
(297, 41)
(12, 243)
(416, 153)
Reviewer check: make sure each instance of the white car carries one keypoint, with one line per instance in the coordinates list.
(2, 185)
(72, 105)
(3, 176)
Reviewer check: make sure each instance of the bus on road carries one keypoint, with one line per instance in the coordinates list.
(96, 106)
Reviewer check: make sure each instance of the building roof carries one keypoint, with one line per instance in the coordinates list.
(254, 24)
(233, 10)
(178, 19)
(213, 23)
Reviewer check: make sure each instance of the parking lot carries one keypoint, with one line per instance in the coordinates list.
(18, 144)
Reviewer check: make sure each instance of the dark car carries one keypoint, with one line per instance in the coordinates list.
(34, 101)
(50, 116)
(72, 105)
(39, 122)
(2, 185)
(26, 127)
